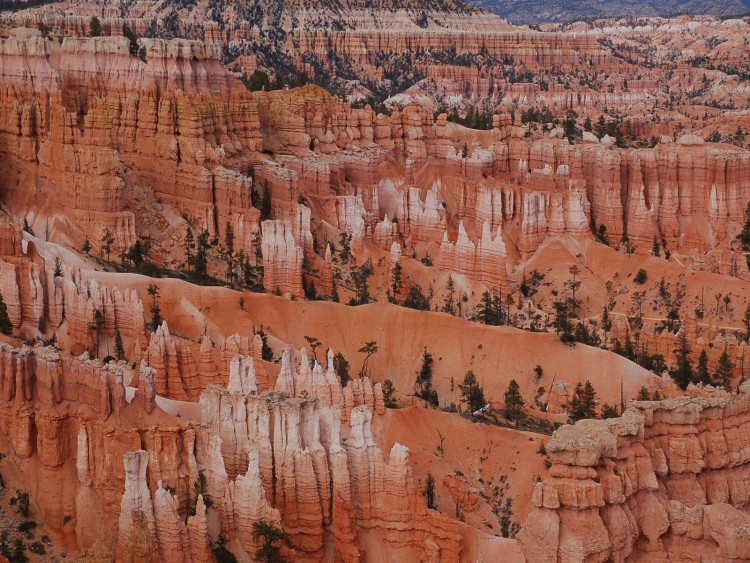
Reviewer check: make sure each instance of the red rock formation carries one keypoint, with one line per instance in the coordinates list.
(654, 483)
(282, 259)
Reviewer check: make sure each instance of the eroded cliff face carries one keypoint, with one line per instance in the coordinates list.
(115, 144)
(664, 481)
(281, 457)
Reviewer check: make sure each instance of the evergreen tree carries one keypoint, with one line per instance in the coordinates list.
(609, 411)
(189, 247)
(724, 370)
(397, 283)
(429, 491)
(744, 236)
(572, 285)
(450, 306)
(86, 248)
(107, 241)
(683, 371)
(58, 271)
(95, 27)
(389, 392)
(583, 403)
(656, 248)
(746, 322)
(119, 348)
(416, 299)
(424, 380)
(268, 535)
(487, 313)
(201, 254)
(471, 392)
(562, 322)
(702, 374)
(643, 394)
(229, 250)
(265, 203)
(368, 349)
(6, 327)
(341, 367)
(513, 402)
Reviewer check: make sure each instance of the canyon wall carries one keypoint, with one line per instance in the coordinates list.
(664, 481)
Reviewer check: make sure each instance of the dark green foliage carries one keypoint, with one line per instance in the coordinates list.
(474, 119)
(134, 48)
(701, 372)
(119, 348)
(397, 283)
(269, 535)
(641, 277)
(450, 303)
(490, 309)
(415, 299)
(428, 492)
(682, 373)
(341, 367)
(424, 380)
(744, 236)
(86, 248)
(311, 292)
(58, 271)
(389, 394)
(220, 551)
(513, 402)
(266, 352)
(200, 488)
(345, 254)
(609, 411)
(361, 284)
(95, 27)
(106, 243)
(5, 325)
(583, 403)
(724, 370)
(368, 349)
(472, 393)
(265, 203)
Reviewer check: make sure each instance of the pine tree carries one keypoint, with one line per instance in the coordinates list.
(429, 491)
(746, 322)
(389, 392)
(471, 392)
(608, 411)
(572, 285)
(189, 247)
(265, 203)
(95, 27)
(201, 254)
(107, 241)
(58, 271)
(724, 370)
(268, 535)
(450, 305)
(6, 327)
(702, 374)
(229, 249)
(341, 367)
(397, 283)
(86, 248)
(643, 394)
(744, 236)
(513, 402)
(683, 372)
(583, 403)
(119, 348)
